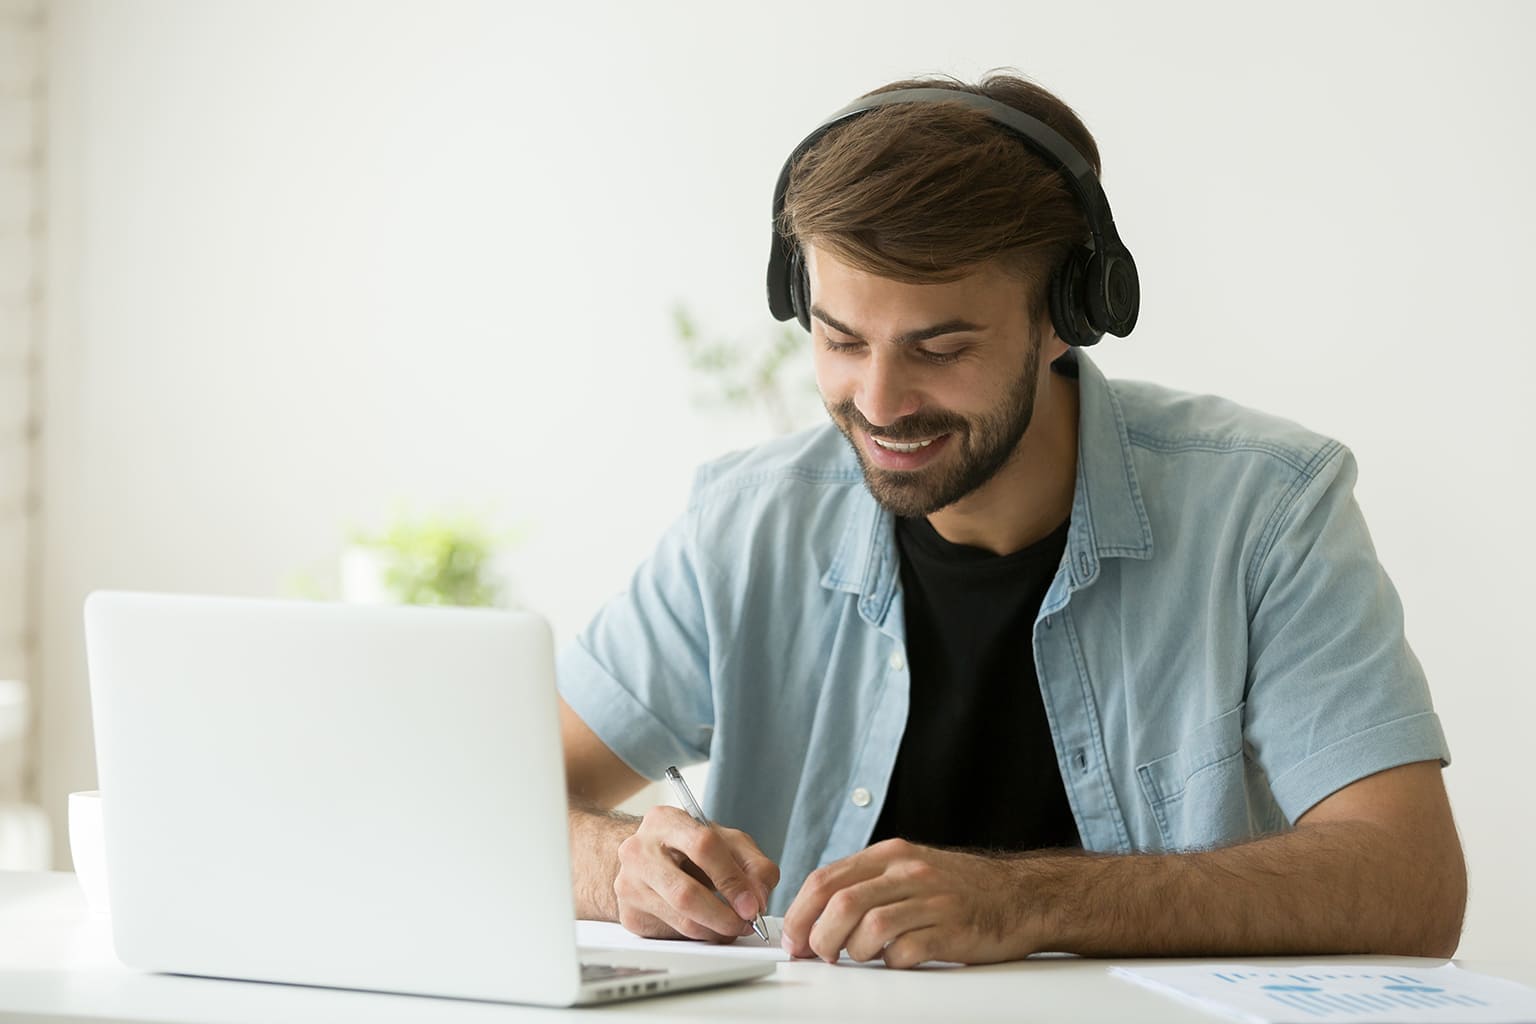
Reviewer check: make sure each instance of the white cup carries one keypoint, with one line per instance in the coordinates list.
(86, 848)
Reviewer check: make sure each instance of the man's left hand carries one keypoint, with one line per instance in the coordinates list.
(906, 904)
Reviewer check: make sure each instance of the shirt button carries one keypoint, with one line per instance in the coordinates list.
(861, 797)
(898, 662)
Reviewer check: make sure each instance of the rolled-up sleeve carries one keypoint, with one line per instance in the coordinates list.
(638, 675)
(1334, 693)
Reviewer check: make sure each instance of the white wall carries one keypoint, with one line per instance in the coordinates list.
(311, 257)
(21, 228)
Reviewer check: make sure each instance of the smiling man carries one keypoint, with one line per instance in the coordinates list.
(1010, 657)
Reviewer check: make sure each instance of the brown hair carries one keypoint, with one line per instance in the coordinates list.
(926, 192)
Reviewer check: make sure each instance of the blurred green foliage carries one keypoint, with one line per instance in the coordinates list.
(438, 559)
(748, 375)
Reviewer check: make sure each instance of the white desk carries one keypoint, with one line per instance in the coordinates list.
(56, 959)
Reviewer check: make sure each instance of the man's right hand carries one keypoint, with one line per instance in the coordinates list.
(671, 868)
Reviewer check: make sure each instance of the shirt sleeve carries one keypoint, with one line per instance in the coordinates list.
(1334, 693)
(638, 675)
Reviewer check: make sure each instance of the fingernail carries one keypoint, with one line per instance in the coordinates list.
(746, 906)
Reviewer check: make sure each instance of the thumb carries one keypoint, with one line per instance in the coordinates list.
(763, 876)
(740, 890)
(748, 887)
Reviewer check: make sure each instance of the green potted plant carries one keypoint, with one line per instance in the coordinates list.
(431, 560)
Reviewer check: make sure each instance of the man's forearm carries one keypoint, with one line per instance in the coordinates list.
(1339, 887)
(595, 839)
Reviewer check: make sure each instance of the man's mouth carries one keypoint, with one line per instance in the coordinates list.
(884, 453)
(902, 446)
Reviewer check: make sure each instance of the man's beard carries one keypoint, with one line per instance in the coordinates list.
(980, 447)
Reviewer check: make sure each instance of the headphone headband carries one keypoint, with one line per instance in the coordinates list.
(1104, 288)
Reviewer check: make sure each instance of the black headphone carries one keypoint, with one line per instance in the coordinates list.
(1094, 291)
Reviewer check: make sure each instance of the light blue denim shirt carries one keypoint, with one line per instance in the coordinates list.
(1219, 650)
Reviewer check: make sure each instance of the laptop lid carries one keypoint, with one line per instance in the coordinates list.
(337, 795)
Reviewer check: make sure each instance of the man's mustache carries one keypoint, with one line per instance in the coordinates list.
(917, 427)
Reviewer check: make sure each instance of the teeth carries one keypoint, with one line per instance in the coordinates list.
(895, 447)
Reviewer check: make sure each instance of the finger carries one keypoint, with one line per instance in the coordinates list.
(693, 871)
(693, 848)
(696, 901)
(913, 948)
(643, 911)
(654, 879)
(819, 887)
(713, 854)
(686, 907)
(846, 912)
(762, 872)
(883, 924)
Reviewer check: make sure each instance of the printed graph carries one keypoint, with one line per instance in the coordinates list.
(1326, 996)
(1356, 993)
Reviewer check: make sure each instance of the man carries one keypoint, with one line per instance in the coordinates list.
(1015, 658)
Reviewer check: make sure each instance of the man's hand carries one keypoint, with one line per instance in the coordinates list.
(1376, 868)
(657, 876)
(905, 904)
(670, 869)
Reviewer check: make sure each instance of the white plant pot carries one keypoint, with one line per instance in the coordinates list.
(363, 576)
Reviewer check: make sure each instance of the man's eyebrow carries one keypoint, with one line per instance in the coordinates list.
(955, 326)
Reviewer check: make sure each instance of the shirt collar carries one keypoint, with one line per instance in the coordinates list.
(1109, 519)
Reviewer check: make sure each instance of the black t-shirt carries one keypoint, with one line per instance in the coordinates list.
(976, 767)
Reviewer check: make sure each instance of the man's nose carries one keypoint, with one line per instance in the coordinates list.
(885, 393)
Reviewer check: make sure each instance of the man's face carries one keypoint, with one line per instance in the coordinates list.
(934, 385)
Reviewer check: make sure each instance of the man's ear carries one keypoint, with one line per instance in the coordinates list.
(1052, 347)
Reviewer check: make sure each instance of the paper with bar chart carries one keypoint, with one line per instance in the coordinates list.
(1356, 993)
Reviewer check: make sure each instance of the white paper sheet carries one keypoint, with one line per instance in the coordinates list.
(607, 935)
(1357, 993)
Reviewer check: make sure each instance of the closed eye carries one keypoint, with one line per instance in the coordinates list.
(936, 358)
(940, 358)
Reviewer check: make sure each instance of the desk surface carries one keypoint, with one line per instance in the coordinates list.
(55, 958)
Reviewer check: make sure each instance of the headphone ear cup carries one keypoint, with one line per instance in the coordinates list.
(800, 289)
(1111, 293)
(1069, 309)
(1118, 288)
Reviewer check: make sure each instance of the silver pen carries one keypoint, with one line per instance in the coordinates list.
(685, 795)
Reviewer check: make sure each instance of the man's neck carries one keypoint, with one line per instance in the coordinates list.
(1032, 494)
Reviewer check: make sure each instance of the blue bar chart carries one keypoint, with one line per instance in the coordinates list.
(1342, 992)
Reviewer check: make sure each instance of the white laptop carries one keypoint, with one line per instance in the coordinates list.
(348, 796)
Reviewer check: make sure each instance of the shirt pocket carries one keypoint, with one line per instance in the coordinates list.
(1198, 793)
